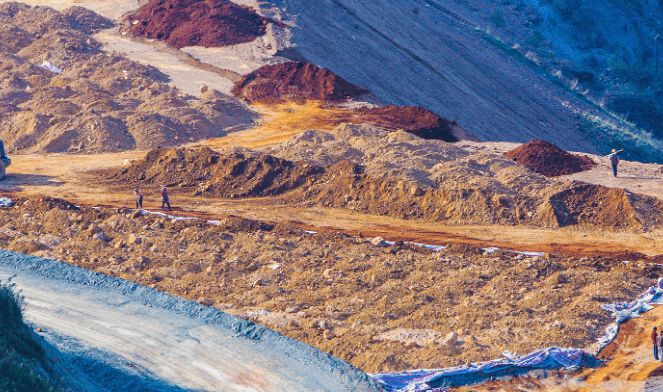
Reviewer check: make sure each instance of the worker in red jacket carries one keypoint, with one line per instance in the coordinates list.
(654, 336)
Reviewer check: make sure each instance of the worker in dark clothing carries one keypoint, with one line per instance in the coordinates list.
(139, 198)
(654, 339)
(165, 201)
(614, 160)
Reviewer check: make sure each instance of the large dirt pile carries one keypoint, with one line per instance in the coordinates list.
(548, 159)
(367, 169)
(210, 23)
(100, 101)
(234, 174)
(295, 82)
(378, 307)
(415, 120)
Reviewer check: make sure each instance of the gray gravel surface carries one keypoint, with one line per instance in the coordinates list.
(108, 334)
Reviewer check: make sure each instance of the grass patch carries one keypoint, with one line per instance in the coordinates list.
(19, 353)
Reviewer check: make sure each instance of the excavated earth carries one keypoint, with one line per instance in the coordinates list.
(366, 169)
(546, 158)
(210, 23)
(101, 102)
(296, 82)
(380, 307)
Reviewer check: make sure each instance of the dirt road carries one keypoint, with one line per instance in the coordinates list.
(126, 337)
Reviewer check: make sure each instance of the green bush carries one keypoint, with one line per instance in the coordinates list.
(19, 353)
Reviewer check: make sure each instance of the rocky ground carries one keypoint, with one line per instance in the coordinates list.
(380, 307)
(95, 101)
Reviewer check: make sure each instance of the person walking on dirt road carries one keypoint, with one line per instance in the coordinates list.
(614, 160)
(139, 198)
(165, 201)
(659, 343)
(654, 339)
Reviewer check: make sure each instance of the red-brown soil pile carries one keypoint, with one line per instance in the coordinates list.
(294, 81)
(412, 119)
(99, 102)
(548, 159)
(209, 23)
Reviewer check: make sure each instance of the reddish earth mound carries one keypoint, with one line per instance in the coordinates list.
(412, 119)
(216, 175)
(548, 159)
(209, 23)
(296, 82)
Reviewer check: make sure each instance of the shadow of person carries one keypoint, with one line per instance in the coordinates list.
(14, 182)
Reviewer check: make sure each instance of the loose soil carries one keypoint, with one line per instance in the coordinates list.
(211, 23)
(294, 81)
(378, 307)
(100, 102)
(368, 170)
(546, 158)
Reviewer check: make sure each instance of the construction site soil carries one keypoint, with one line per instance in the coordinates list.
(546, 158)
(94, 101)
(380, 307)
(296, 82)
(366, 169)
(210, 23)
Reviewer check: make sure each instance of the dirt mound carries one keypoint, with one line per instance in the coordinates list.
(415, 182)
(596, 205)
(294, 81)
(380, 308)
(548, 159)
(415, 120)
(94, 101)
(235, 174)
(210, 23)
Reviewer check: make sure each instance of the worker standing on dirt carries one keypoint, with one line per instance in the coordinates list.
(659, 343)
(614, 160)
(654, 339)
(165, 201)
(139, 198)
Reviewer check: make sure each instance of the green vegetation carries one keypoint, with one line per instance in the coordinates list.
(19, 353)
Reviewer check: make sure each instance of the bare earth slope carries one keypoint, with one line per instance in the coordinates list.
(123, 337)
(411, 54)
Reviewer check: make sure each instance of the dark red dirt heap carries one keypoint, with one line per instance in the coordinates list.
(295, 82)
(548, 159)
(208, 23)
(412, 119)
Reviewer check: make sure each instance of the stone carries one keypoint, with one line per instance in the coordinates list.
(206, 301)
(134, 240)
(94, 228)
(416, 191)
(378, 241)
(292, 309)
(561, 278)
(328, 334)
(324, 325)
(450, 339)
(136, 214)
(101, 236)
